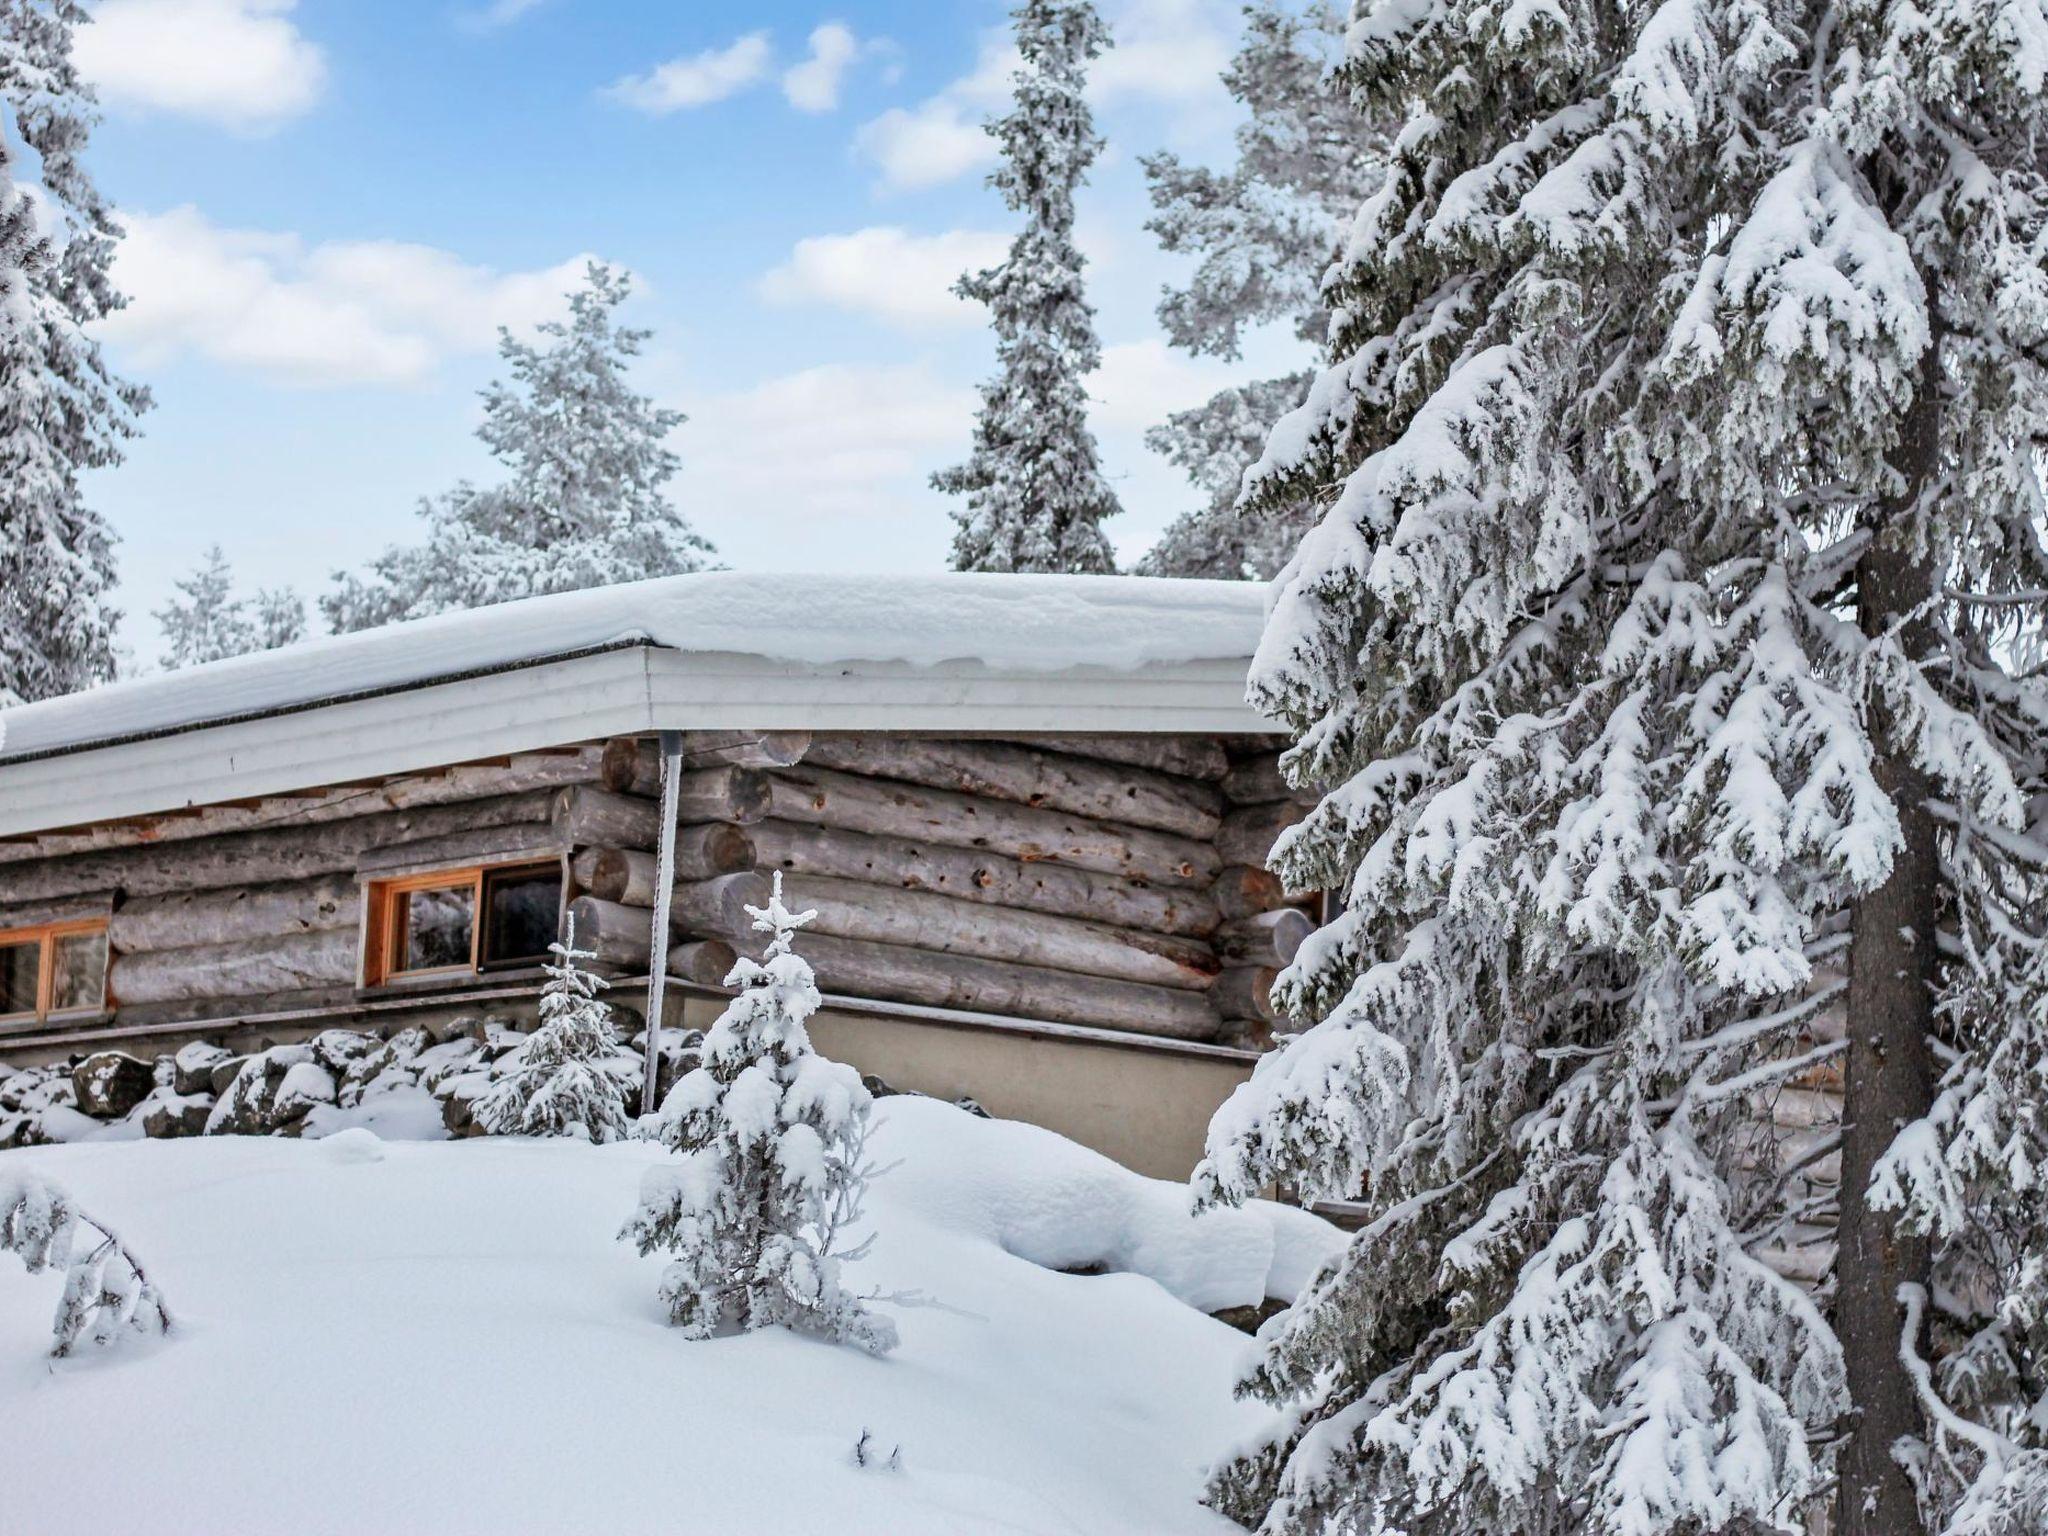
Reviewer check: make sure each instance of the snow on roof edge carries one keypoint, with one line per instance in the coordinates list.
(1030, 623)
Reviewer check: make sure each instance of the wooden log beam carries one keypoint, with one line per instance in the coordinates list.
(614, 933)
(893, 973)
(1133, 796)
(338, 802)
(628, 874)
(294, 852)
(1268, 938)
(1246, 993)
(1187, 757)
(633, 767)
(975, 874)
(707, 962)
(1244, 890)
(181, 919)
(821, 797)
(1258, 781)
(850, 909)
(584, 814)
(250, 967)
(1248, 833)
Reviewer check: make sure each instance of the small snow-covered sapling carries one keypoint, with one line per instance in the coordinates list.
(106, 1292)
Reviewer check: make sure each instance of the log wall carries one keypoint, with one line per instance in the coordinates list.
(1105, 881)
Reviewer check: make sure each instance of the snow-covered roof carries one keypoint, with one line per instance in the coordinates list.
(716, 650)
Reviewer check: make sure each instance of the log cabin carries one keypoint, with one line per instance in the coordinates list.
(1032, 815)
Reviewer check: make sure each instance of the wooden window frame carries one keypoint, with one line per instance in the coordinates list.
(382, 940)
(45, 937)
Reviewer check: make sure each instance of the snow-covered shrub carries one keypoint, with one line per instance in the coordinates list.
(568, 1078)
(772, 1168)
(106, 1293)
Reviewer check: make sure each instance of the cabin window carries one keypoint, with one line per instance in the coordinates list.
(462, 920)
(52, 970)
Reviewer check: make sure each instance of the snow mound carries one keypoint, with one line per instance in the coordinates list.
(448, 1338)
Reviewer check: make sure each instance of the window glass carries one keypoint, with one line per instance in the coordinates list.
(78, 973)
(434, 928)
(520, 910)
(20, 968)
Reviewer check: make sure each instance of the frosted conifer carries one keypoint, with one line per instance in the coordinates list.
(584, 505)
(207, 621)
(1036, 496)
(772, 1138)
(61, 411)
(106, 1294)
(568, 1078)
(1264, 233)
(1671, 635)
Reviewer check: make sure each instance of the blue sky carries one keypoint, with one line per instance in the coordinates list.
(333, 204)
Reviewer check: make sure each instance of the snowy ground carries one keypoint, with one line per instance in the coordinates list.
(399, 1337)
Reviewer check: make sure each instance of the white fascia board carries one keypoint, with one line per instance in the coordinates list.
(618, 692)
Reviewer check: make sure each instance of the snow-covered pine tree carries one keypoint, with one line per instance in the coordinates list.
(1036, 496)
(568, 1077)
(1665, 638)
(1264, 233)
(772, 1138)
(207, 621)
(584, 504)
(61, 411)
(106, 1293)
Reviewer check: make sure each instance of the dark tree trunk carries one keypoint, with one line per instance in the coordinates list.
(1890, 1077)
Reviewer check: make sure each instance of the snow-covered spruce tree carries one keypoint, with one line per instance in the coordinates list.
(1036, 496)
(567, 1078)
(772, 1138)
(61, 411)
(207, 621)
(584, 504)
(1660, 636)
(106, 1294)
(1264, 233)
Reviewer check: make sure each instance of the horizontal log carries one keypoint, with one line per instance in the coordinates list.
(1258, 781)
(615, 934)
(1138, 797)
(1188, 757)
(629, 874)
(707, 962)
(850, 909)
(1244, 890)
(893, 973)
(251, 967)
(1246, 993)
(478, 845)
(975, 874)
(293, 851)
(185, 918)
(1269, 938)
(633, 766)
(1248, 833)
(821, 797)
(587, 815)
(412, 791)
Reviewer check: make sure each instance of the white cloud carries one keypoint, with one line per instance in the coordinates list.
(335, 312)
(835, 457)
(887, 272)
(1170, 51)
(1166, 50)
(942, 137)
(241, 63)
(698, 79)
(813, 85)
(1141, 382)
